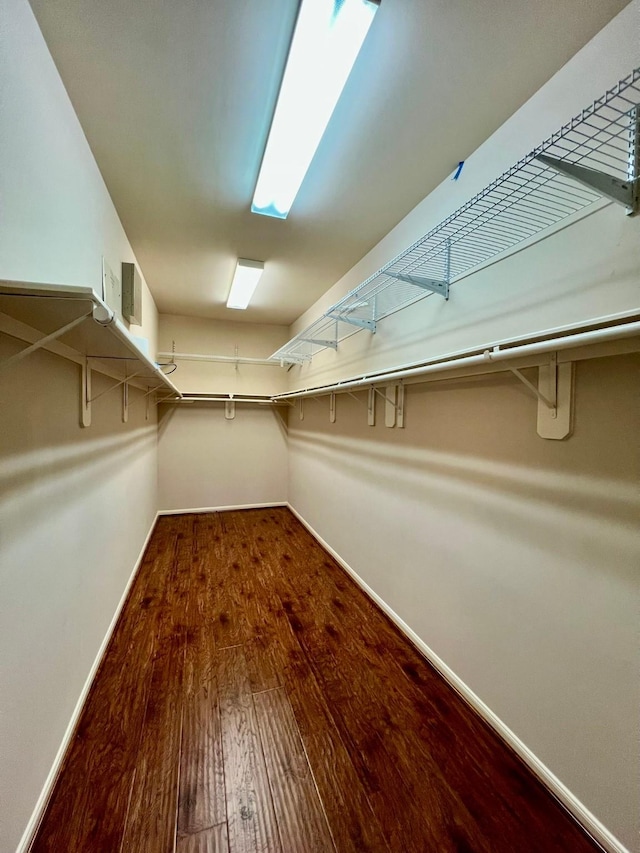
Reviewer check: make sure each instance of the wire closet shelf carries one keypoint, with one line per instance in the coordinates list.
(601, 143)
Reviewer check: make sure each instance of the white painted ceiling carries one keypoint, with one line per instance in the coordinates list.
(176, 96)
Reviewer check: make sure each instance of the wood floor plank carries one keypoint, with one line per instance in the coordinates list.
(212, 840)
(152, 814)
(250, 816)
(202, 793)
(301, 818)
(410, 812)
(354, 826)
(246, 655)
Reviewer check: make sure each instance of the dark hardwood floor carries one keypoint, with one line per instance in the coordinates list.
(252, 698)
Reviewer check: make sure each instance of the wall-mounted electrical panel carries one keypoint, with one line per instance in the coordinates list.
(131, 294)
(111, 288)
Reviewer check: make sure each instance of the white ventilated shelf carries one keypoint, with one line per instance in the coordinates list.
(32, 312)
(595, 155)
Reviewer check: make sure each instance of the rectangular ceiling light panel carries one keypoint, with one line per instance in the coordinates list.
(245, 281)
(326, 41)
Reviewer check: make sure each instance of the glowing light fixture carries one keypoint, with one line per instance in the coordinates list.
(245, 281)
(326, 41)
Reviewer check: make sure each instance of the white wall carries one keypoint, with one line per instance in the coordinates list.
(514, 558)
(205, 460)
(57, 220)
(75, 508)
(75, 505)
(223, 338)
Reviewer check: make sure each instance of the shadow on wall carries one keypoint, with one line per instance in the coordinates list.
(37, 483)
(47, 460)
(516, 502)
(470, 450)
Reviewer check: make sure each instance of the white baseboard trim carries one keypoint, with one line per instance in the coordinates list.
(198, 509)
(45, 794)
(581, 813)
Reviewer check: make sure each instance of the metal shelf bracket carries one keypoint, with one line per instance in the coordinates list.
(354, 321)
(394, 404)
(85, 394)
(555, 397)
(371, 407)
(321, 343)
(431, 284)
(332, 408)
(124, 381)
(42, 342)
(626, 193)
(389, 397)
(229, 410)
(556, 383)
(549, 402)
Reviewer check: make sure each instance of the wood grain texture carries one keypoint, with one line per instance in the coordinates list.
(301, 818)
(202, 794)
(212, 840)
(250, 817)
(153, 807)
(252, 698)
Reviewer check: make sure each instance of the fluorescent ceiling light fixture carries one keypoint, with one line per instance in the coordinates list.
(326, 41)
(245, 281)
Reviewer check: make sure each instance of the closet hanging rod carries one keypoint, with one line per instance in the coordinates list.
(259, 401)
(489, 355)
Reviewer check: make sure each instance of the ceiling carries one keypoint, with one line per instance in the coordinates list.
(176, 97)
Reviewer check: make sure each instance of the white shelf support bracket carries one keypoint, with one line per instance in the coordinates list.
(125, 402)
(229, 409)
(332, 408)
(371, 407)
(431, 284)
(633, 160)
(85, 393)
(555, 397)
(301, 408)
(546, 401)
(114, 386)
(393, 397)
(14, 359)
(400, 408)
(626, 193)
(555, 381)
(354, 321)
(320, 342)
(147, 406)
